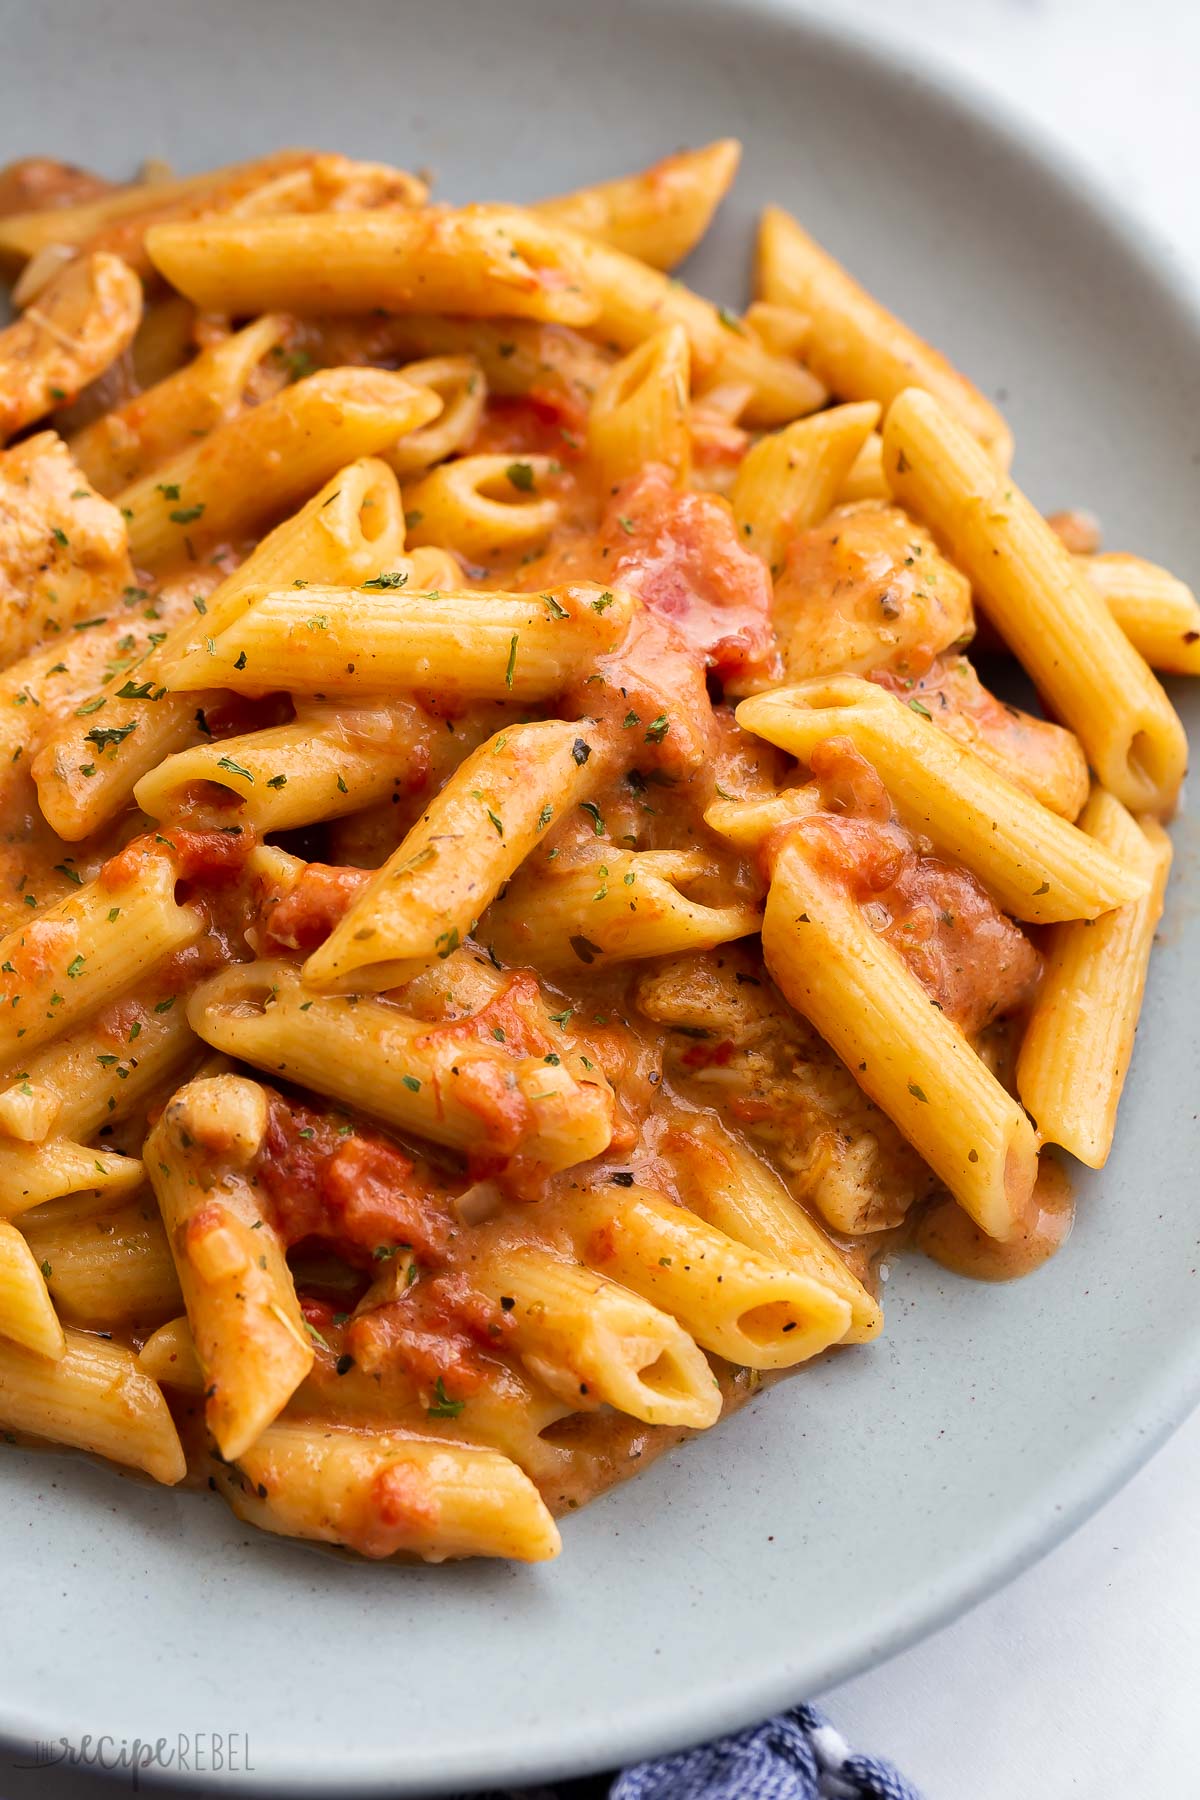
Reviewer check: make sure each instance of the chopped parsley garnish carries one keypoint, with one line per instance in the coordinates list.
(443, 1406)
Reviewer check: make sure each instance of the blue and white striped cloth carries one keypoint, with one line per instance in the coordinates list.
(797, 1756)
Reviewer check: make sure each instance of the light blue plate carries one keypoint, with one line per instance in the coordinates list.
(871, 1498)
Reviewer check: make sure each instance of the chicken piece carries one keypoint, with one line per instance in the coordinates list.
(868, 589)
(64, 553)
(732, 1042)
(79, 323)
(39, 183)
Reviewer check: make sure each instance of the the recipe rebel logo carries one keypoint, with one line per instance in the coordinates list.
(187, 1753)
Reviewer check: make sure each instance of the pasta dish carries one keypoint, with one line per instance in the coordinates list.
(519, 893)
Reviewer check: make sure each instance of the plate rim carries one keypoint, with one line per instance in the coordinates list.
(659, 1725)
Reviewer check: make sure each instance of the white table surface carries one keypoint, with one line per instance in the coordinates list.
(1081, 1680)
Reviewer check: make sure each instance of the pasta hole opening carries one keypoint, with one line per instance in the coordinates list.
(765, 1325)
(499, 488)
(665, 1378)
(1147, 760)
(374, 513)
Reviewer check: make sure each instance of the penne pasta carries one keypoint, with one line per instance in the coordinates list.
(592, 1341)
(659, 215)
(1038, 866)
(73, 957)
(485, 260)
(790, 480)
(915, 1065)
(249, 1333)
(640, 412)
(27, 1315)
(331, 641)
(1158, 613)
(109, 1269)
(31, 1174)
(736, 1192)
(128, 443)
(93, 1397)
(460, 385)
(736, 1302)
(855, 345)
(636, 302)
(383, 1494)
(1055, 622)
(481, 507)
(327, 762)
(117, 220)
(606, 905)
(248, 471)
(1076, 1051)
(102, 1071)
(440, 1084)
(351, 530)
(429, 894)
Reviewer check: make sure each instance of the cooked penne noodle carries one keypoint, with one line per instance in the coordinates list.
(790, 480)
(1051, 618)
(1038, 866)
(658, 215)
(748, 823)
(32, 1173)
(168, 1356)
(329, 641)
(729, 1187)
(508, 1413)
(486, 260)
(595, 1342)
(110, 1269)
(518, 356)
(640, 412)
(249, 470)
(247, 1326)
(460, 385)
(125, 445)
(637, 302)
(865, 479)
(1158, 613)
(855, 345)
(93, 1397)
(735, 1301)
(368, 1054)
(383, 1494)
(916, 1066)
(328, 761)
(483, 506)
(27, 1315)
(103, 1070)
(73, 957)
(78, 324)
(611, 905)
(1076, 1051)
(351, 530)
(472, 837)
(117, 220)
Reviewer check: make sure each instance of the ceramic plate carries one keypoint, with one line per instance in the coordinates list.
(874, 1496)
